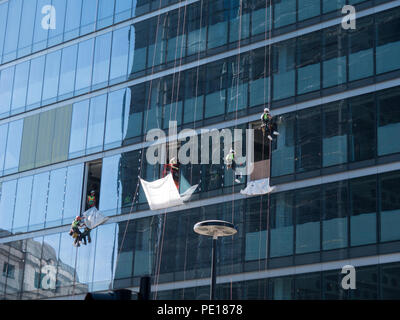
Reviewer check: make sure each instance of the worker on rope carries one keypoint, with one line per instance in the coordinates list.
(173, 167)
(91, 202)
(231, 164)
(85, 233)
(75, 232)
(91, 199)
(268, 124)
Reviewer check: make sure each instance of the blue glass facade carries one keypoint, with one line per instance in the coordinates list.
(76, 104)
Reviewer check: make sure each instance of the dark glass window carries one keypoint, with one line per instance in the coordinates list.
(362, 130)
(334, 56)
(308, 286)
(361, 56)
(331, 286)
(335, 134)
(280, 288)
(308, 62)
(283, 148)
(335, 217)
(388, 122)
(283, 69)
(390, 206)
(281, 225)
(367, 284)
(256, 225)
(308, 217)
(363, 211)
(308, 151)
(389, 280)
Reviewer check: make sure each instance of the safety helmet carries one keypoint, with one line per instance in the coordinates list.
(91, 192)
(266, 110)
(231, 151)
(173, 160)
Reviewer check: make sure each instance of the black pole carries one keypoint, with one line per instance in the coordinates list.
(145, 288)
(213, 269)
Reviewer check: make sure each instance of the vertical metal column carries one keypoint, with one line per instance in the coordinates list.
(213, 268)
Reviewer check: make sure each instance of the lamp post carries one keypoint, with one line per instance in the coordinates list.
(214, 229)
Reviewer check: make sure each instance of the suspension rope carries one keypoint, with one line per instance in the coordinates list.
(194, 125)
(270, 143)
(176, 111)
(142, 151)
(236, 81)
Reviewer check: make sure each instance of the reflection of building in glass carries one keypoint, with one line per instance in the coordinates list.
(74, 116)
(31, 270)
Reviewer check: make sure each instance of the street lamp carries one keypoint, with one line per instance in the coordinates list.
(215, 229)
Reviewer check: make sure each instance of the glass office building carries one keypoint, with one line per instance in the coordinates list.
(77, 100)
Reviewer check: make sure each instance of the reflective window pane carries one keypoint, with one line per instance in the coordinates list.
(7, 202)
(117, 116)
(72, 19)
(79, 125)
(106, 256)
(284, 13)
(120, 51)
(67, 262)
(84, 66)
(20, 87)
(23, 204)
(3, 144)
(6, 84)
(3, 24)
(67, 71)
(40, 193)
(36, 73)
(40, 34)
(110, 184)
(308, 9)
(96, 120)
(73, 193)
(13, 147)
(137, 100)
(105, 13)
(56, 35)
(51, 76)
(27, 27)
(88, 17)
(123, 10)
(13, 26)
(101, 65)
(56, 197)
